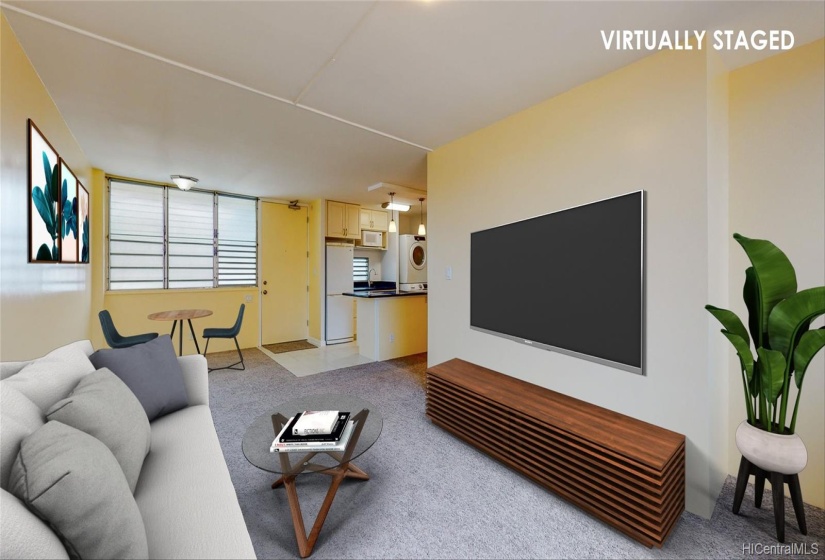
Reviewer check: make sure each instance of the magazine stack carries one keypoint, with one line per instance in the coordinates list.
(314, 430)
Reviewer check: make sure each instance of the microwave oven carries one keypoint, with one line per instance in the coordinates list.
(372, 239)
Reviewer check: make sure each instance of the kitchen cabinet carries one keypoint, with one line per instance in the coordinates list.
(375, 220)
(343, 220)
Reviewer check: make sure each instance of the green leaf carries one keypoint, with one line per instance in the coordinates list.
(772, 373)
(810, 343)
(744, 352)
(55, 254)
(44, 253)
(750, 294)
(45, 209)
(47, 171)
(731, 322)
(775, 279)
(55, 184)
(793, 314)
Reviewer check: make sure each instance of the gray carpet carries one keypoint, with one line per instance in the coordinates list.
(433, 496)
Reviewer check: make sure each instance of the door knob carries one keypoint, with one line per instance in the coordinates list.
(264, 292)
(264, 282)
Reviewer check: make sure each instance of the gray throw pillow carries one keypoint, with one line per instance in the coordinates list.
(103, 406)
(151, 371)
(74, 483)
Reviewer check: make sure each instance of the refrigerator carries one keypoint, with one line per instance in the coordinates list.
(339, 280)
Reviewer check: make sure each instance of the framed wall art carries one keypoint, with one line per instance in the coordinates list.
(68, 220)
(44, 199)
(83, 222)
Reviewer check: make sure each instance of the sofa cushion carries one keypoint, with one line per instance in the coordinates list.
(151, 371)
(74, 483)
(48, 379)
(186, 467)
(20, 418)
(104, 407)
(23, 534)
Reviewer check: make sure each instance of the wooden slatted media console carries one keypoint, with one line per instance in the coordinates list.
(628, 473)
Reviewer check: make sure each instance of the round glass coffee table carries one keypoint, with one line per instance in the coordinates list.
(367, 424)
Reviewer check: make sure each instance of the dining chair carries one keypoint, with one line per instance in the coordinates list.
(231, 332)
(116, 340)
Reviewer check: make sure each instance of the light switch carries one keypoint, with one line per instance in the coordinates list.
(248, 299)
(448, 272)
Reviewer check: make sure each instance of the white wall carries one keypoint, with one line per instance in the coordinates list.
(777, 192)
(642, 127)
(42, 306)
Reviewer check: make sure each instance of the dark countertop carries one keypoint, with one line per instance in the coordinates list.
(373, 294)
(379, 289)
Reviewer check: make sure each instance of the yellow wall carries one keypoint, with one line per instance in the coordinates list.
(777, 169)
(130, 309)
(42, 306)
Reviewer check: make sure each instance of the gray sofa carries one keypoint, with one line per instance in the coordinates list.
(184, 492)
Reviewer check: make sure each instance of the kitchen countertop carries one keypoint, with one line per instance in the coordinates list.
(379, 293)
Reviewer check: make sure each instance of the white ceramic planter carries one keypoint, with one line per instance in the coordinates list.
(779, 453)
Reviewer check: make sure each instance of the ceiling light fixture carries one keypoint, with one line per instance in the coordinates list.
(393, 228)
(184, 182)
(422, 230)
(396, 206)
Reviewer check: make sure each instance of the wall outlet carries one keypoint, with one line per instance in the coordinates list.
(392, 338)
(248, 298)
(448, 273)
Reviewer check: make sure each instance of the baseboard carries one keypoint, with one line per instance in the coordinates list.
(315, 341)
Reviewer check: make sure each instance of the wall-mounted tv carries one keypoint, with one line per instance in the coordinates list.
(571, 281)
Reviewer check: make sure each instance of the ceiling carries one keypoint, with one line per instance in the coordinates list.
(305, 100)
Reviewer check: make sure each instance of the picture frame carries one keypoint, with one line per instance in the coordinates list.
(43, 198)
(68, 217)
(83, 239)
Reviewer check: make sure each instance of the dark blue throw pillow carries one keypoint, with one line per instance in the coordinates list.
(151, 371)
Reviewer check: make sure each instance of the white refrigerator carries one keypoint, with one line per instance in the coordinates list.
(339, 280)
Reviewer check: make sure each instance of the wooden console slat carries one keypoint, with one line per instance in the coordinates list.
(626, 472)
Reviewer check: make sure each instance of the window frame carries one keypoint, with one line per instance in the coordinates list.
(359, 278)
(166, 188)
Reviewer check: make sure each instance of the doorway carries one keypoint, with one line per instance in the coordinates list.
(284, 280)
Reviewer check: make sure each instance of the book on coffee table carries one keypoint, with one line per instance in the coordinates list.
(310, 446)
(287, 437)
(315, 422)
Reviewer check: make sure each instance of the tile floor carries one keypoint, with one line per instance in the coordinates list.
(316, 360)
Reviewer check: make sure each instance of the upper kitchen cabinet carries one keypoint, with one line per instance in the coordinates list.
(343, 220)
(375, 220)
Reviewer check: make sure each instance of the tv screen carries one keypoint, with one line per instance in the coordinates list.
(571, 281)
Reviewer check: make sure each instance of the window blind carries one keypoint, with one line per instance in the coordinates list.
(237, 241)
(191, 239)
(360, 269)
(136, 221)
(161, 237)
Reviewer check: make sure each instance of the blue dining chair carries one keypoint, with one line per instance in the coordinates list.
(231, 332)
(116, 340)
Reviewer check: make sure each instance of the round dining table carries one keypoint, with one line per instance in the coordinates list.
(179, 316)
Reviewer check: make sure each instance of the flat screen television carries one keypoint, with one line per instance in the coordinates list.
(570, 281)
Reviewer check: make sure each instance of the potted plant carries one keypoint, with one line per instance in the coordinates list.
(779, 320)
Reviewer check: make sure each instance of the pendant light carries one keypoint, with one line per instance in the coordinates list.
(421, 229)
(393, 227)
